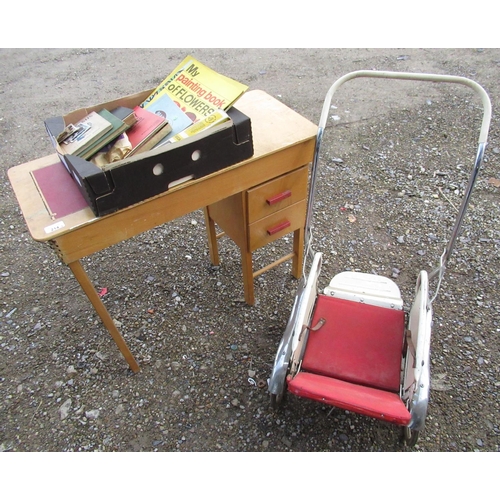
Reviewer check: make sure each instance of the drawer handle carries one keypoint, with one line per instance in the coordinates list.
(279, 227)
(279, 197)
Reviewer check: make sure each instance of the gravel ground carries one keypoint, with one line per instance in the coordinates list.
(395, 163)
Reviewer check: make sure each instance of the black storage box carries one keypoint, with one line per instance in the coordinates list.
(149, 174)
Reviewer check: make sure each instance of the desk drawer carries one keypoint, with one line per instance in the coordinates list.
(276, 225)
(277, 194)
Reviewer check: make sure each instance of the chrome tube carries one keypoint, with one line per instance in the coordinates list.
(461, 212)
(483, 136)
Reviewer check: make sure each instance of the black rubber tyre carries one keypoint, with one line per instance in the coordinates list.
(410, 437)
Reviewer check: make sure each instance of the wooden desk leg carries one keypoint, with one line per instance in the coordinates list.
(101, 310)
(298, 252)
(212, 238)
(246, 263)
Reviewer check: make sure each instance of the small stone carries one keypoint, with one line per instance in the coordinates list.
(10, 313)
(92, 414)
(64, 409)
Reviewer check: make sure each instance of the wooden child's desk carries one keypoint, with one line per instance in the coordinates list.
(284, 143)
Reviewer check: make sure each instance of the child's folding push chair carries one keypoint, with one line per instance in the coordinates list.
(354, 346)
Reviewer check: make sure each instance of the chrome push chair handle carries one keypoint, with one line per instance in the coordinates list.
(483, 136)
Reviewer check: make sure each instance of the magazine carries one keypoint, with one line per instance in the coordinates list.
(197, 90)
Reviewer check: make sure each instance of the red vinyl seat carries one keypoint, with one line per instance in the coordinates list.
(354, 360)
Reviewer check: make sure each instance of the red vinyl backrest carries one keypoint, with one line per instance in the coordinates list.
(358, 343)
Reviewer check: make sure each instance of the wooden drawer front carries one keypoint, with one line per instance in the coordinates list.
(277, 194)
(277, 225)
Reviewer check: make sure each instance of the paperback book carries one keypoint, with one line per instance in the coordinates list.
(210, 122)
(197, 89)
(148, 131)
(165, 107)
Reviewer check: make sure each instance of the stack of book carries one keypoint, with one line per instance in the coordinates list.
(148, 129)
(97, 133)
(89, 135)
(192, 99)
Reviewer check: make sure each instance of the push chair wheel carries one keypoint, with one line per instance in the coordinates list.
(410, 437)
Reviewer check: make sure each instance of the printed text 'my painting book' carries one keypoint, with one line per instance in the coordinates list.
(197, 89)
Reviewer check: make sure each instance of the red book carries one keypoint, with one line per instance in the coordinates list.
(147, 131)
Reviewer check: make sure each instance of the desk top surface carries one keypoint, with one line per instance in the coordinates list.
(275, 127)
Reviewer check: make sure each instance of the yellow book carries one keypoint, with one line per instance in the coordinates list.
(198, 90)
